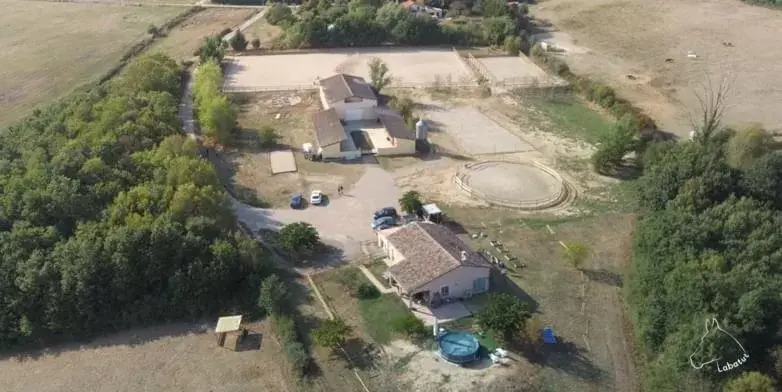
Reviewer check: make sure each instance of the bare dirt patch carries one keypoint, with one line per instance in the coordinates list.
(514, 69)
(424, 371)
(417, 67)
(636, 37)
(165, 358)
(49, 49)
(182, 42)
(247, 164)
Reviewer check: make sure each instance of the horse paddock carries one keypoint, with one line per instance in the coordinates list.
(409, 67)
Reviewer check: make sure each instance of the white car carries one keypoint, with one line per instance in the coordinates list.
(316, 197)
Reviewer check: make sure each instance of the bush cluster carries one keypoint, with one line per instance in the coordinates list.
(410, 326)
(367, 291)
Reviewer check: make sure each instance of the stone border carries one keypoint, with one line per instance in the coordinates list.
(540, 204)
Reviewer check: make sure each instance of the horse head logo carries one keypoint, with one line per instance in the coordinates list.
(717, 345)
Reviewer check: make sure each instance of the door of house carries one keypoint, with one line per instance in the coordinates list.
(479, 285)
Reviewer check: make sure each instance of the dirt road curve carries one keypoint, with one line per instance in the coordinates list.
(245, 25)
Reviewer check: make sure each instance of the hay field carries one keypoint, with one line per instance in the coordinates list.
(175, 357)
(51, 48)
(610, 39)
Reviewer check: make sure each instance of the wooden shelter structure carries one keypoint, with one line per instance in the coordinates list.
(226, 325)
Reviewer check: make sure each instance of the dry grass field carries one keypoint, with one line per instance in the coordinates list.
(585, 309)
(182, 42)
(164, 358)
(51, 48)
(610, 39)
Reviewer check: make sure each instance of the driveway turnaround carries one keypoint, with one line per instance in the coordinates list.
(342, 221)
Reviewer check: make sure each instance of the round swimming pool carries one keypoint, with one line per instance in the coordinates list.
(458, 347)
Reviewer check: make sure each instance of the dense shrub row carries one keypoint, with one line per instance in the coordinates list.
(109, 219)
(274, 298)
(596, 92)
(216, 114)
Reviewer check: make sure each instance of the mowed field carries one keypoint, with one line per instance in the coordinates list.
(182, 42)
(730, 38)
(51, 48)
(407, 66)
(165, 358)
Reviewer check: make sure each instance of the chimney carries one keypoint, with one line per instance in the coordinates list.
(464, 255)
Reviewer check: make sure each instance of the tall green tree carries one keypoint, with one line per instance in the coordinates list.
(239, 41)
(378, 74)
(212, 49)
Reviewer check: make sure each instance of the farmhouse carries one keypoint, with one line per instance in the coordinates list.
(429, 264)
(351, 123)
(351, 96)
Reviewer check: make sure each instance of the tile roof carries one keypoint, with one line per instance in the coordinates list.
(430, 251)
(328, 128)
(340, 86)
(396, 126)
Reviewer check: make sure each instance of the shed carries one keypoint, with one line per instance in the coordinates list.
(225, 325)
(432, 213)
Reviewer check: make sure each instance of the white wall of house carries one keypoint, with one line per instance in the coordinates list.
(357, 108)
(401, 147)
(330, 152)
(458, 281)
(393, 256)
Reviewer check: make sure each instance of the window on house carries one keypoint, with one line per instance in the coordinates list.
(444, 291)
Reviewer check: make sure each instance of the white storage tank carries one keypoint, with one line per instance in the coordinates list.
(421, 130)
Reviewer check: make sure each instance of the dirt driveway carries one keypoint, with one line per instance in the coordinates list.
(343, 221)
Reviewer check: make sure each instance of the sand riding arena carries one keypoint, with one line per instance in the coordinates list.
(520, 185)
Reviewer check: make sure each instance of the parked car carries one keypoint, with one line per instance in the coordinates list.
(297, 201)
(383, 212)
(316, 197)
(383, 223)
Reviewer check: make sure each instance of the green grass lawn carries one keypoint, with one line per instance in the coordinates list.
(379, 314)
(570, 116)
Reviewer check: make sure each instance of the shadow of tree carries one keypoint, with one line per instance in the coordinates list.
(569, 358)
(503, 284)
(604, 276)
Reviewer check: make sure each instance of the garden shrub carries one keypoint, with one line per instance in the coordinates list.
(367, 291)
(409, 325)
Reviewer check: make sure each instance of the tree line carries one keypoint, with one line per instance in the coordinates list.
(708, 245)
(322, 23)
(109, 218)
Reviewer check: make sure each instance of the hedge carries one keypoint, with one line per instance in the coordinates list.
(594, 91)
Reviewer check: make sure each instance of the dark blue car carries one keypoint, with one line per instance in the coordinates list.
(383, 223)
(297, 201)
(383, 212)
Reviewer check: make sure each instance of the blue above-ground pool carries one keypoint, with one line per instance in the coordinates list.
(458, 347)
